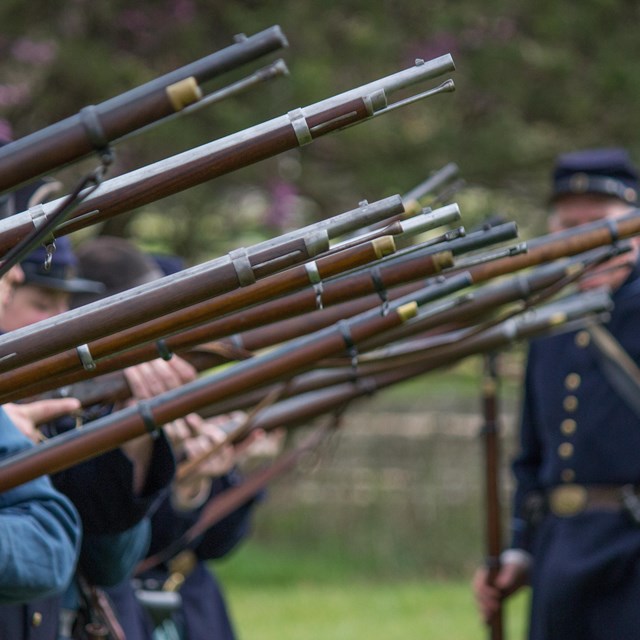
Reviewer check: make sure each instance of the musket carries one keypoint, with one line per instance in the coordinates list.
(168, 323)
(96, 126)
(515, 293)
(293, 408)
(468, 308)
(408, 359)
(66, 368)
(298, 128)
(491, 442)
(257, 260)
(563, 244)
(128, 312)
(147, 416)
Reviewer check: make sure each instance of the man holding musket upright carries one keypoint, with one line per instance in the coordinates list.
(576, 518)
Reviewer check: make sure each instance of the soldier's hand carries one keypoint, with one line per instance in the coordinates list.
(489, 597)
(152, 378)
(29, 415)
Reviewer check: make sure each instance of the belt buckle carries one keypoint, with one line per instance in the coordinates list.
(568, 500)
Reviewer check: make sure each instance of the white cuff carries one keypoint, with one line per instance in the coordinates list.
(516, 556)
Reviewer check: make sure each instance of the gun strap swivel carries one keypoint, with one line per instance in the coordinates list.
(352, 350)
(88, 363)
(316, 280)
(381, 290)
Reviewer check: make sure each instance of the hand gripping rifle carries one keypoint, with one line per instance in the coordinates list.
(298, 128)
(96, 126)
(146, 417)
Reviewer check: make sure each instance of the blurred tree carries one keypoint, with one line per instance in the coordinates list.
(533, 79)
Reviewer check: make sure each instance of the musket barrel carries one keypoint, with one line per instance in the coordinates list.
(142, 311)
(111, 431)
(75, 137)
(203, 163)
(65, 369)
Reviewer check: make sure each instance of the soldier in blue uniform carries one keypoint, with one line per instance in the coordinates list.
(39, 527)
(576, 528)
(114, 492)
(199, 610)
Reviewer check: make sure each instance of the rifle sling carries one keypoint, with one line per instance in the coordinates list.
(618, 367)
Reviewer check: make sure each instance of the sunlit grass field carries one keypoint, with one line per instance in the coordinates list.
(284, 595)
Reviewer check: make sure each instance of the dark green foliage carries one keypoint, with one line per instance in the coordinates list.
(533, 79)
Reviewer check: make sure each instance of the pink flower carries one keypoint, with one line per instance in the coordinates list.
(32, 51)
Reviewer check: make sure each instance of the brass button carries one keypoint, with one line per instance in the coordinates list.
(565, 450)
(582, 339)
(568, 475)
(570, 403)
(568, 426)
(36, 619)
(572, 381)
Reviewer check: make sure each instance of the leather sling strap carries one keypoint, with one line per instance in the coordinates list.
(618, 367)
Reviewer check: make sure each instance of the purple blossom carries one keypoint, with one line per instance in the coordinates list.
(6, 132)
(183, 10)
(437, 45)
(135, 20)
(13, 94)
(283, 204)
(32, 51)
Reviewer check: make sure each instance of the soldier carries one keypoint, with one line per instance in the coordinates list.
(576, 522)
(39, 527)
(113, 512)
(199, 610)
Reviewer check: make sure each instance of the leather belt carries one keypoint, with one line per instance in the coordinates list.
(571, 499)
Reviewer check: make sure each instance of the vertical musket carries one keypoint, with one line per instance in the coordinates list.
(490, 436)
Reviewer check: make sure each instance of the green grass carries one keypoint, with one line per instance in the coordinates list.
(283, 595)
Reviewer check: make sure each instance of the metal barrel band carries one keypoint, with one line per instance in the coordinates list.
(300, 126)
(148, 420)
(381, 290)
(242, 265)
(163, 349)
(93, 127)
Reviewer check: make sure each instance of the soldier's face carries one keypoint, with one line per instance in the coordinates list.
(11, 279)
(572, 211)
(30, 303)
